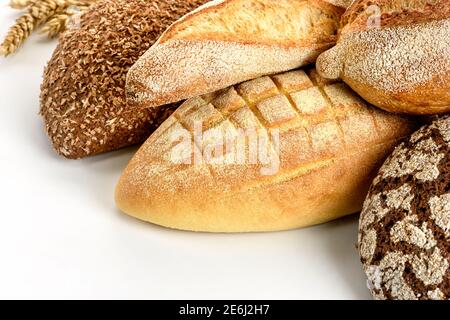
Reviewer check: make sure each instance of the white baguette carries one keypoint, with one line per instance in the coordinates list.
(227, 42)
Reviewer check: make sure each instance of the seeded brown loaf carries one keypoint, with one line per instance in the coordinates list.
(395, 54)
(404, 237)
(83, 91)
(229, 41)
(330, 143)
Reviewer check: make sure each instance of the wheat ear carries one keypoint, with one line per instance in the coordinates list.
(20, 4)
(55, 25)
(53, 14)
(60, 22)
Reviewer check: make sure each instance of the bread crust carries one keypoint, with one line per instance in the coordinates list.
(330, 145)
(227, 42)
(394, 13)
(404, 226)
(403, 64)
(175, 32)
(340, 3)
(82, 99)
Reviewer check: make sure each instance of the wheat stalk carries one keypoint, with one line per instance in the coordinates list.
(59, 22)
(55, 25)
(54, 15)
(17, 34)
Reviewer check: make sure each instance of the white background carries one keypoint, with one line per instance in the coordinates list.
(62, 237)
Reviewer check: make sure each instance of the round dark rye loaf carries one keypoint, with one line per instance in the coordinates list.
(83, 91)
(404, 228)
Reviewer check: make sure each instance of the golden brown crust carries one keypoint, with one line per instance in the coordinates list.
(407, 102)
(246, 36)
(399, 62)
(330, 143)
(344, 4)
(227, 42)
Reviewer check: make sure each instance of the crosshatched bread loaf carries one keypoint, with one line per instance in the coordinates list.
(228, 42)
(395, 54)
(309, 151)
(83, 99)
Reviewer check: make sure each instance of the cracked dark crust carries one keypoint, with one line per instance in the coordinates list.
(423, 191)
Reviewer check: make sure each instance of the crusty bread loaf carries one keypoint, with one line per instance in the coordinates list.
(228, 42)
(309, 157)
(395, 54)
(83, 99)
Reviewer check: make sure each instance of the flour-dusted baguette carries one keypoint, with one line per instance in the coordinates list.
(228, 42)
(395, 54)
(275, 153)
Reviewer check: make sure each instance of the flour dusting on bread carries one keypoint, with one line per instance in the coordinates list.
(395, 54)
(308, 133)
(227, 42)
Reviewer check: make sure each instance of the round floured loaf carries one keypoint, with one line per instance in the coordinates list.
(395, 54)
(404, 227)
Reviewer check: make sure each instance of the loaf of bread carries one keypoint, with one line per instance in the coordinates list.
(83, 98)
(274, 153)
(228, 42)
(395, 54)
